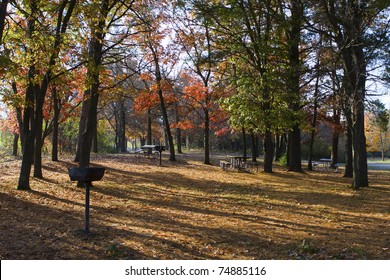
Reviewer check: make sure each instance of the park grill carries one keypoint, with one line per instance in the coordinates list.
(86, 175)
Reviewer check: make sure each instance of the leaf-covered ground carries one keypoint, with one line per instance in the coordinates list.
(187, 210)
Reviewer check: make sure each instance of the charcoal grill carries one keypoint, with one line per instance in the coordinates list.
(86, 175)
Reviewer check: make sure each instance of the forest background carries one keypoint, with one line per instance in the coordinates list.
(291, 80)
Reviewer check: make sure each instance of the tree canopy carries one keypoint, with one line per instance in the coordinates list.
(196, 69)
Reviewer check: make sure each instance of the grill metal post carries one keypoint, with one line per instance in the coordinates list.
(86, 215)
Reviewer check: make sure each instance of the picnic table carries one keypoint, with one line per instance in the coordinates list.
(237, 162)
(148, 149)
(325, 163)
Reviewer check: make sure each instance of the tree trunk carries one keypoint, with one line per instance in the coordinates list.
(268, 151)
(54, 150)
(335, 148)
(244, 148)
(311, 145)
(3, 13)
(294, 39)
(348, 172)
(15, 145)
(90, 125)
(178, 131)
(95, 145)
(122, 128)
(253, 147)
(95, 55)
(294, 150)
(278, 153)
(28, 132)
(360, 174)
(206, 136)
(149, 129)
(82, 123)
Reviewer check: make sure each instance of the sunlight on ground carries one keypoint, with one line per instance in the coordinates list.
(187, 210)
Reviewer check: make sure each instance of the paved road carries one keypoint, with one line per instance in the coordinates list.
(378, 166)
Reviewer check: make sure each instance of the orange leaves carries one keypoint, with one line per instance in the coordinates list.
(145, 101)
(184, 125)
(196, 92)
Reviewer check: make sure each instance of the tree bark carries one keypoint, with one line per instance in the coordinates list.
(244, 145)
(348, 171)
(268, 151)
(56, 106)
(82, 123)
(253, 147)
(29, 135)
(15, 145)
(278, 153)
(121, 127)
(28, 116)
(19, 117)
(206, 136)
(294, 150)
(335, 148)
(3, 13)
(178, 131)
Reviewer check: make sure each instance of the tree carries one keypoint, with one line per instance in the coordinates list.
(353, 27)
(380, 118)
(36, 92)
(194, 34)
(161, 58)
(88, 118)
(294, 72)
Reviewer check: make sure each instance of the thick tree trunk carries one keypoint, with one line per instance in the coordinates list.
(360, 169)
(348, 171)
(38, 134)
(335, 148)
(83, 119)
(15, 145)
(3, 13)
(28, 145)
(268, 151)
(121, 128)
(95, 55)
(95, 145)
(294, 39)
(90, 125)
(294, 150)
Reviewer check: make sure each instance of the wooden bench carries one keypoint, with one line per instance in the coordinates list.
(224, 164)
